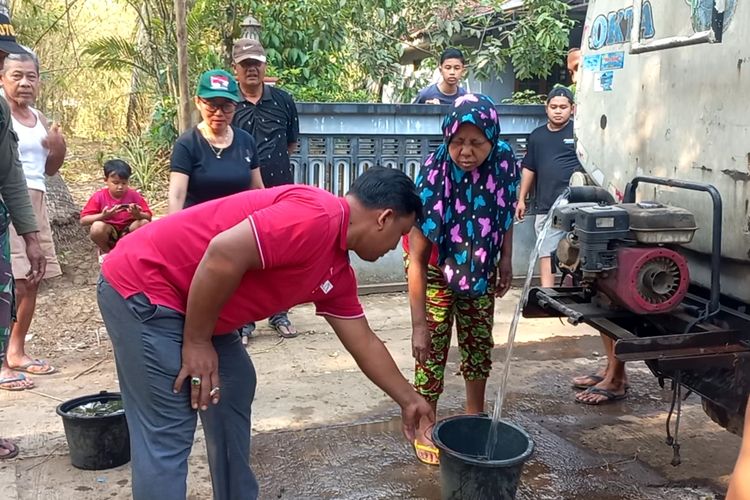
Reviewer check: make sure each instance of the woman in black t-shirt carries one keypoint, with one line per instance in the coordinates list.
(213, 159)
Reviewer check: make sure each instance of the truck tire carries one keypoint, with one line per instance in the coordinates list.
(733, 422)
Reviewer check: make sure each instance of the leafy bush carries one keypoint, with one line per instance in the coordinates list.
(526, 97)
(150, 165)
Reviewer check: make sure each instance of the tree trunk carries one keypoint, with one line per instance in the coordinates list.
(183, 109)
(135, 104)
(64, 215)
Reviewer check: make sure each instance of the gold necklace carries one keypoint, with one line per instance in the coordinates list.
(216, 151)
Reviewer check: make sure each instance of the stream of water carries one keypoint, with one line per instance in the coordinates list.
(492, 439)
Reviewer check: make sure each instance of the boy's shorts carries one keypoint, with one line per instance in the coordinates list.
(115, 234)
(551, 239)
(19, 261)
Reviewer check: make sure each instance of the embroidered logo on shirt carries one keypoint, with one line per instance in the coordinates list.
(326, 287)
(569, 141)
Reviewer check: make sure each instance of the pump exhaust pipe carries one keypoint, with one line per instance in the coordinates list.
(590, 194)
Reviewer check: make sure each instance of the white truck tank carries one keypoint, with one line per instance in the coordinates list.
(664, 90)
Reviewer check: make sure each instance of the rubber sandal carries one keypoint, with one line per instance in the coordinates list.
(427, 449)
(246, 332)
(12, 449)
(20, 378)
(36, 362)
(283, 327)
(610, 396)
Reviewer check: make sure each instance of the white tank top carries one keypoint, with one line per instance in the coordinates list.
(31, 152)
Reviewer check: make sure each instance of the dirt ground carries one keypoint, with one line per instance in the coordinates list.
(322, 430)
(319, 424)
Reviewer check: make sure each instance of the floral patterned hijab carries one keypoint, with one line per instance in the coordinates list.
(466, 214)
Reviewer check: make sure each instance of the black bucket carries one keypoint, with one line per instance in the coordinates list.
(95, 442)
(464, 475)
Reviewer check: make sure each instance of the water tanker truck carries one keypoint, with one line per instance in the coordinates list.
(659, 247)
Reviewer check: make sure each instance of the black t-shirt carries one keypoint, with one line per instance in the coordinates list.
(274, 124)
(212, 177)
(552, 156)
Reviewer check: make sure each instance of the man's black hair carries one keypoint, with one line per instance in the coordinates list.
(452, 53)
(118, 167)
(381, 188)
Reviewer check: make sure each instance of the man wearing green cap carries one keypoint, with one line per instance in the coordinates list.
(213, 159)
(16, 206)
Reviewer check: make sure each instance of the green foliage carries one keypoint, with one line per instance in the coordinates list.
(309, 93)
(148, 163)
(123, 62)
(115, 53)
(526, 97)
(162, 131)
(82, 99)
(540, 38)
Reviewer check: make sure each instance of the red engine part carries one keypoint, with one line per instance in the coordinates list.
(648, 280)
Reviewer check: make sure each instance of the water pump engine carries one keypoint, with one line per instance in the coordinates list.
(626, 252)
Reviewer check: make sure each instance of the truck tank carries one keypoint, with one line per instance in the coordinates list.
(658, 255)
(663, 90)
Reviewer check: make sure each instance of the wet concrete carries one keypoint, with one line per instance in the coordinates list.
(581, 452)
(373, 461)
(321, 430)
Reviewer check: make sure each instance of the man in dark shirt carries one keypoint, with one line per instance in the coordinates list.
(265, 112)
(550, 161)
(270, 116)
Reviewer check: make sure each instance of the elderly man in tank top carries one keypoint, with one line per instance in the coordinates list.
(42, 150)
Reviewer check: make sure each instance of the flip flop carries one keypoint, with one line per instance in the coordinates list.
(611, 396)
(427, 449)
(12, 449)
(596, 378)
(284, 327)
(7, 380)
(36, 362)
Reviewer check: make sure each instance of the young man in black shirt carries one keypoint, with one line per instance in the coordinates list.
(549, 163)
(270, 116)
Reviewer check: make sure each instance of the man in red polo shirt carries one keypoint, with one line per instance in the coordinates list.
(174, 293)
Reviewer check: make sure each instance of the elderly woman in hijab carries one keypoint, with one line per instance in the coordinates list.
(459, 260)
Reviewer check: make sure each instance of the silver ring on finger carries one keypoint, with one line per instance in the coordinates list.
(195, 381)
(214, 391)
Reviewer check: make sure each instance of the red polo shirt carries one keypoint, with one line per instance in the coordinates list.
(301, 234)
